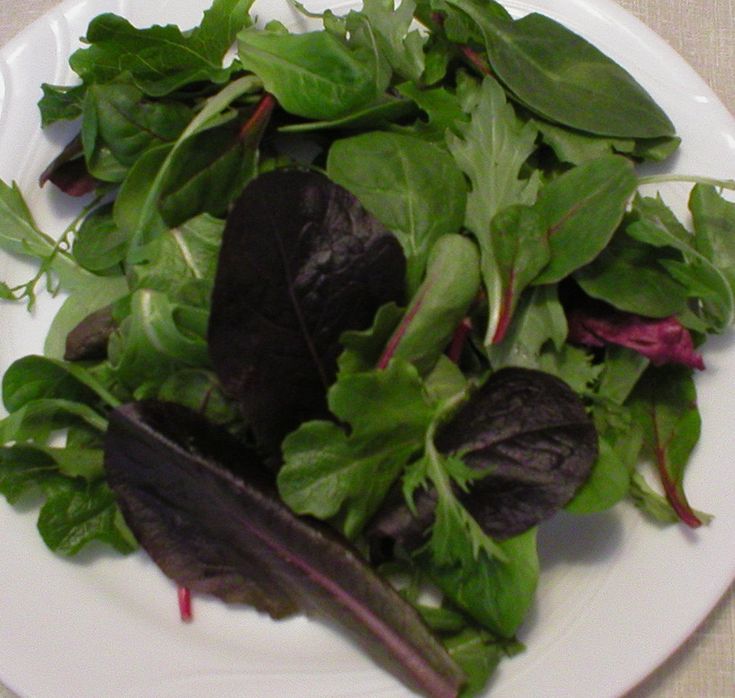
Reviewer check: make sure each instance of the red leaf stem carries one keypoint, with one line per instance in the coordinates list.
(184, 594)
(454, 352)
(254, 126)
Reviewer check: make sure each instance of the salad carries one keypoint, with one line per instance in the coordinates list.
(462, 316)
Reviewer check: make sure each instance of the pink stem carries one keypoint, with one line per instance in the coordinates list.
(185, 604)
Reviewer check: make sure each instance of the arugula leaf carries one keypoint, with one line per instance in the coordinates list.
(333, 474)
(161, 59)
(414, 188)
(492, 150)
(378, 22)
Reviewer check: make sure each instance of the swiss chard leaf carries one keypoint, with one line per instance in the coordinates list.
(222, 530)
(301, 262)
(450, 286)
(665, 405)
(414, 188)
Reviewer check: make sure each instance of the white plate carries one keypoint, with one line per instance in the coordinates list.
(617, 594)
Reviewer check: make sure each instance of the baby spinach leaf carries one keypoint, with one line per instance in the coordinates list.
(559, 75)
(628, 275)
(315, 74)
(99, 244)
(334, 474)
(301, 262)
(37, 419)
(136, 206)
(665, 405)
(449, 288)
(414, 188)
(222, 530)
(118, 119)
(581, 210)
(161, 59)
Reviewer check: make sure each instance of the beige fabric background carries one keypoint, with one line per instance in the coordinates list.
(703, 31)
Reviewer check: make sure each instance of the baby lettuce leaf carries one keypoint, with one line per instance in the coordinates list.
(582, 210)
(450, 286)
(414, 188)
(161, 59)
(301, 262)
(714, 221)
(316, 74)
(563, 78)
(344, 475)
(209, 515)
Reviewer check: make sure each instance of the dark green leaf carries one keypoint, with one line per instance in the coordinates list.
(60, 103)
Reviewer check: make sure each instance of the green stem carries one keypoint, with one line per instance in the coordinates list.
(692, 179)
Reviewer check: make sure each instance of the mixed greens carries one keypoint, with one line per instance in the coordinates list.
(351, 312)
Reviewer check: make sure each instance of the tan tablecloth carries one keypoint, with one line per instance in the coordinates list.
(703, 31)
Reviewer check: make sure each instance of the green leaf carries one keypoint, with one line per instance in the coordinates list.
(714, 228)
(496, 593)
(81, 302)
(331, 474)
(513, 254)
(315, 74)
(363, 348)
(37, 377)
(608, 483)
(628, 275)
(379, 22)
(136, 207)
(37, 419)
(562, 77)
(161, 59)
(450, 286)
(492, 150)
(99, 245)
(60, 103)
(200, 390)
(77, 513)
(413, 187)
(157, 338)
(581, 210)
(539, 321)
(478, 654)
(117, 117)
(664, 403)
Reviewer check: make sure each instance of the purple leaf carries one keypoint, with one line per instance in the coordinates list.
(68, 171)
(663, 341)
(301, 262)
(529, 434)
(206, 510)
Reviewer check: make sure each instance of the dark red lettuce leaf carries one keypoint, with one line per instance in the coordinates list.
(529, 434)
(301, 262)
(663, 341)
(206, 510)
